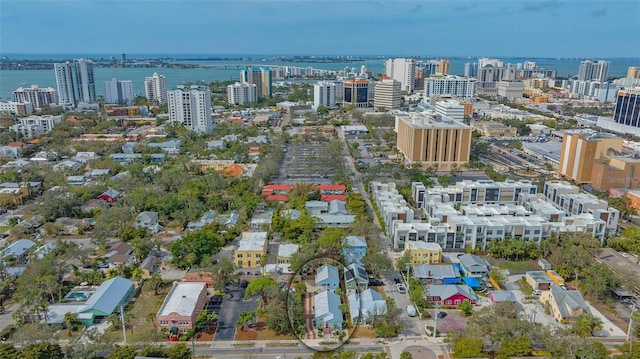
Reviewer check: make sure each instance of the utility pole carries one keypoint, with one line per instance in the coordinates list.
(631, 319)
(124, 330)
(435, 321)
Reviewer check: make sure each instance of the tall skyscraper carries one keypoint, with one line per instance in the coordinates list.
(627, 111)
(442, 67)
(242, 93)
(593, 71)
(324, 94)
(633, 72)
(64, 82)
(155, 88)
(470, 69)
(259, 76)
(123, 59)
(118, 91)
(39, 97)
(357, 92)
(402, 70)
(191, 106)
(85, 85)
(388, 94)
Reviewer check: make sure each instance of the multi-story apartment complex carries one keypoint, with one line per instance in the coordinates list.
(470, 69)
(39, 97)
(593, 71)
(482, 191)
(259, 76)
(357, 92)
(403, 70)
(422, 252)
(580, 151)
(567, 197)
(388, 94)
(391, 205)
(627, 111)
(449, 85)
(242, 93)
(191, 106)
(324, 94)
(34, 126)
(419, 232)
(252, 246)
(118, 91)
(427, 138)
(155, 88)
(75, 82)
(16, 108)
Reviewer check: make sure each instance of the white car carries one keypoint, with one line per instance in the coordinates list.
(401, 288)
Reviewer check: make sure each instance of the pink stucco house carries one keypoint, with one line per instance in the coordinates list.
(182, 306)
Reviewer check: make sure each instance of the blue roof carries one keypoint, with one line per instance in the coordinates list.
(457, 266)
(109, 295)
(471, 282)
(17, 248)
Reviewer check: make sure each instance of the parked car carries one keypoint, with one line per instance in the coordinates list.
(442, 315)
(375, 282)
(411, 310)
(401, 288)
(3, 235)
(244, 284)
(537, 291)
(396, 281)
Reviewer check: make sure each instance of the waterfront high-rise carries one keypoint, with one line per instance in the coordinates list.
(39, 97)
(593, 71)
(633, 72)
(470, 69)
(402, 70)
(442, 67)
(259, 76)
(191, 106)
(118, 91)
(627, 111)
(155, 88)
(85, 85)
(64, 82)
(242, 93)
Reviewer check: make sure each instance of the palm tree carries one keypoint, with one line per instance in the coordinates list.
(155, 281)
(151, 317)
(70, 320)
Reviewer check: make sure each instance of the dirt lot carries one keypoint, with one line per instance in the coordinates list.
(259, 331)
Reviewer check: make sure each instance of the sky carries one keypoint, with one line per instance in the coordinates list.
(543, 28)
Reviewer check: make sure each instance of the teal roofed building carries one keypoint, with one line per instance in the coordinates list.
(111, 294)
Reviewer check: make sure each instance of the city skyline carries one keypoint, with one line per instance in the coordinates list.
(461, 28)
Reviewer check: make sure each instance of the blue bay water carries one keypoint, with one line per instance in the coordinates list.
(12, 79)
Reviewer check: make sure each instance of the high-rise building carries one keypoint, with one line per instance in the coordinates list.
(580, 151)
(85, 85)
(155, 88)
(39, 97)
(324, 94)
(593, 71)
(427, 138)
(633, 72)
(627, 111)
(16, 108)
(357, 92)
(388, 94)
(442, 67)
(482, 62)
(470, 69)
(123, 59)
(242, 93)
(402, 70)
(259, 76)
(449, 85)
(191, 106)
(510, 90)
(118, 91)
(64, 82)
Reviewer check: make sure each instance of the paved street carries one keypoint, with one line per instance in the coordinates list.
(230, 310)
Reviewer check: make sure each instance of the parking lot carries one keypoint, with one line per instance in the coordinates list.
(229, 311)
(306, 162)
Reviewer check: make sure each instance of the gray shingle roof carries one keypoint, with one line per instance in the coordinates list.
(108, 295)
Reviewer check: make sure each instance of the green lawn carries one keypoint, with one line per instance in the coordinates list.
(515, 267)
(4, 229)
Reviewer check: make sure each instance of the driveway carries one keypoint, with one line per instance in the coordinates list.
(532, 309)
(412, 325)
(230, 309)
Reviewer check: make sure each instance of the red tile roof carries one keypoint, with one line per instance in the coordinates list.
(278, 187)
(333, 187)
(17, 144)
